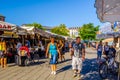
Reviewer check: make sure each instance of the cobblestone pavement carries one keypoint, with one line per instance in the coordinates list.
(41, 70)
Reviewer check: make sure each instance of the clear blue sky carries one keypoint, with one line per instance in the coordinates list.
(50, 12)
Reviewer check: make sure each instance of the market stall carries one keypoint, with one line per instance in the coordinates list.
(8, 34)
(36, 34)
(7, 29)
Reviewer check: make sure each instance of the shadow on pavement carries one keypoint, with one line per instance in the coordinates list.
(64, 61)
(90, 70)
(64, 68)
(36, 63)
(11, 65)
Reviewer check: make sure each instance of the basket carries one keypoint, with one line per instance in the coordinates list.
(22, 53)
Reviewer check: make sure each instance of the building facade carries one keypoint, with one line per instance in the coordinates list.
(74, 31)
(48, 28)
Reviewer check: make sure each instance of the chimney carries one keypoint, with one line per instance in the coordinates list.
(2, 18)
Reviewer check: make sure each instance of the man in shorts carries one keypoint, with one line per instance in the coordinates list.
(78, 56)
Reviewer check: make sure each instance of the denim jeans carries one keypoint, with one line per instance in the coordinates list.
(53, 59)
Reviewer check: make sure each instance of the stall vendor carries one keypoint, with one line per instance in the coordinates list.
(3, 54)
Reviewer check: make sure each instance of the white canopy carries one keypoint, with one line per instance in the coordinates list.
(55, 35)
(33, 30)
(108, 10)
(30, 29)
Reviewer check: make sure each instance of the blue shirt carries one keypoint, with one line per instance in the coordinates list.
(53, 49)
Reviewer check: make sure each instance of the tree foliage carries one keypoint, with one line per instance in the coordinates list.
(36, 25)
(88, 31)
(61, 30)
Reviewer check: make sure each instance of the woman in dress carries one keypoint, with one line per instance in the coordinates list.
(53, 51)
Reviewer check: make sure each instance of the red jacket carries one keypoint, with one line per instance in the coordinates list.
(26, 49)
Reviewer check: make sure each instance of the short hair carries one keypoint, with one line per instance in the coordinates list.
(52, 37)
(100, 41)
(77, 38)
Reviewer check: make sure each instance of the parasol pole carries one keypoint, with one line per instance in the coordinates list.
(119, 63)
(102, 10)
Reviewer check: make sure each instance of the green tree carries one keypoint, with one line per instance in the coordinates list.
(36, 25)
(61, 30)
(88, 31)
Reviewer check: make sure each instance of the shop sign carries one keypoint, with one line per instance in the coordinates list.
(6, 27)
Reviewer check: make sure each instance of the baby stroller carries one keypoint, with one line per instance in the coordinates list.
(23, 59)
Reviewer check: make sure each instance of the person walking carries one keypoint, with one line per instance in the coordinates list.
(53, 51)
(99, 48)
(106, 49)
(61, 49)
(78, 56)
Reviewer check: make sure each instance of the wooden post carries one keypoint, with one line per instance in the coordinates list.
(23, 39)
(33, 40)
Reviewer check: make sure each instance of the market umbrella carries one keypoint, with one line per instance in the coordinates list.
(108, 10)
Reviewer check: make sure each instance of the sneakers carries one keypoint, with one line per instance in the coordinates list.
(74, 75)
(80, 76)
(53, 72)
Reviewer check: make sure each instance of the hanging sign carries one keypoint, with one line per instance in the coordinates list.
(6, 27)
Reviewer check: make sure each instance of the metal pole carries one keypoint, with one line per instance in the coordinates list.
(119, 59)
(118, 55)
(102, 10)
(119, 41)
(119, 72)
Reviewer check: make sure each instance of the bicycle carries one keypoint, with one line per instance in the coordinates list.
(108, 69)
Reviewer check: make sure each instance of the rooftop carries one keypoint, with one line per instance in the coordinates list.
(74, 27)
(1, 15)
(48, 27)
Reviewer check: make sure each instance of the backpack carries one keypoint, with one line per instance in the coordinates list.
(22, 53)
